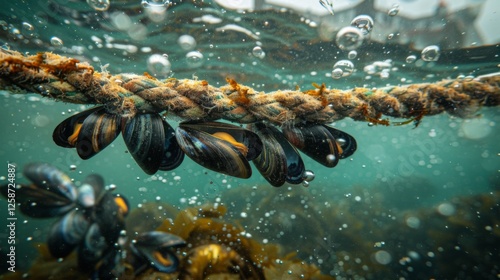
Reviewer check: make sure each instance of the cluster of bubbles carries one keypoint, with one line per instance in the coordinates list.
(258, 52)
(351, 37)
(342, 68)
(380, 68)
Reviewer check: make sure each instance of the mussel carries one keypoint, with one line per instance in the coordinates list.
(155, 248)
(51, 194)
(279, 160)
(148, 137)
(323, 143)
(92, 217)
(220, 147)
(67, 233)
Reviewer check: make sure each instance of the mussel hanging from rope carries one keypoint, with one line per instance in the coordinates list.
(221, 147)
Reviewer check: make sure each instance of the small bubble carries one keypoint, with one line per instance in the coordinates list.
(187, 42)
(258, 52)
(330, 158)
(411, 58)
(364, 23)
(446, 209)
(72, 167)
(383, 257)
(159, 65)
(308, 175)
(243, 214)
(352, 54)
(194, 59)
(155, 3)
(394, 10)
(346, 66)
(28, 26)
(56, 42)
(430, 53)
(305, 184)
(158, 198)
(349, 38)
(337, 73)
(99, 5)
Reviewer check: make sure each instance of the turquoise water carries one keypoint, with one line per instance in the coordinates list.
(398, 168)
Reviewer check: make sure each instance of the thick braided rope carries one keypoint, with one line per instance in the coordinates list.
(68, 80)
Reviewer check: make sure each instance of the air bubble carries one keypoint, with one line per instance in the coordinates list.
(308, 175)
(394, 10)
(187, 42)
(411, 58)
(27, 26)
(194, 59)
(383, 257)
(155, 3)
(430, 53)
(349, 38)
(364, 23)
(56, 42)
(352, 54)
(99, 5)
(330, 159)
(158, 65)
(346, 66)
(258, 52)
(337, 73)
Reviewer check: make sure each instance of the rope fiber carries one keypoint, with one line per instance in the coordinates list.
(68, 80)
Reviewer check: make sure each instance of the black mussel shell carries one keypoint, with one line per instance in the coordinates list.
(37, 202)
(98, 130)
(346, 142)
(90, 191)
(314, 140)
(67, 233)
(212, 152)
(241, 135)
(51, 179)
(155, 247)
(173, 154)
(67, 127)
(92, 248)
(144, 135)
(110, 218)
(279, 160)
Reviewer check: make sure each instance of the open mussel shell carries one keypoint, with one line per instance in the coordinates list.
(279, 160)
(98, 130)
(71, 126)
(90, 191)
(49, 178)
(314, 140)
(155, 247)
(215, 153)
(67, 233)
(240, 136)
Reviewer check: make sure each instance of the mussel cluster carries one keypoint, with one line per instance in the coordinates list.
(92, 218)
(217, 146)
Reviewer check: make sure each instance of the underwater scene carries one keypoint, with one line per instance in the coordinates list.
(250, 139)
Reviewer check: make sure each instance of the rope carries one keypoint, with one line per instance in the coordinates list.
(67, 79)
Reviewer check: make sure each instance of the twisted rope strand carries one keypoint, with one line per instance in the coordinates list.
(68, 80)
